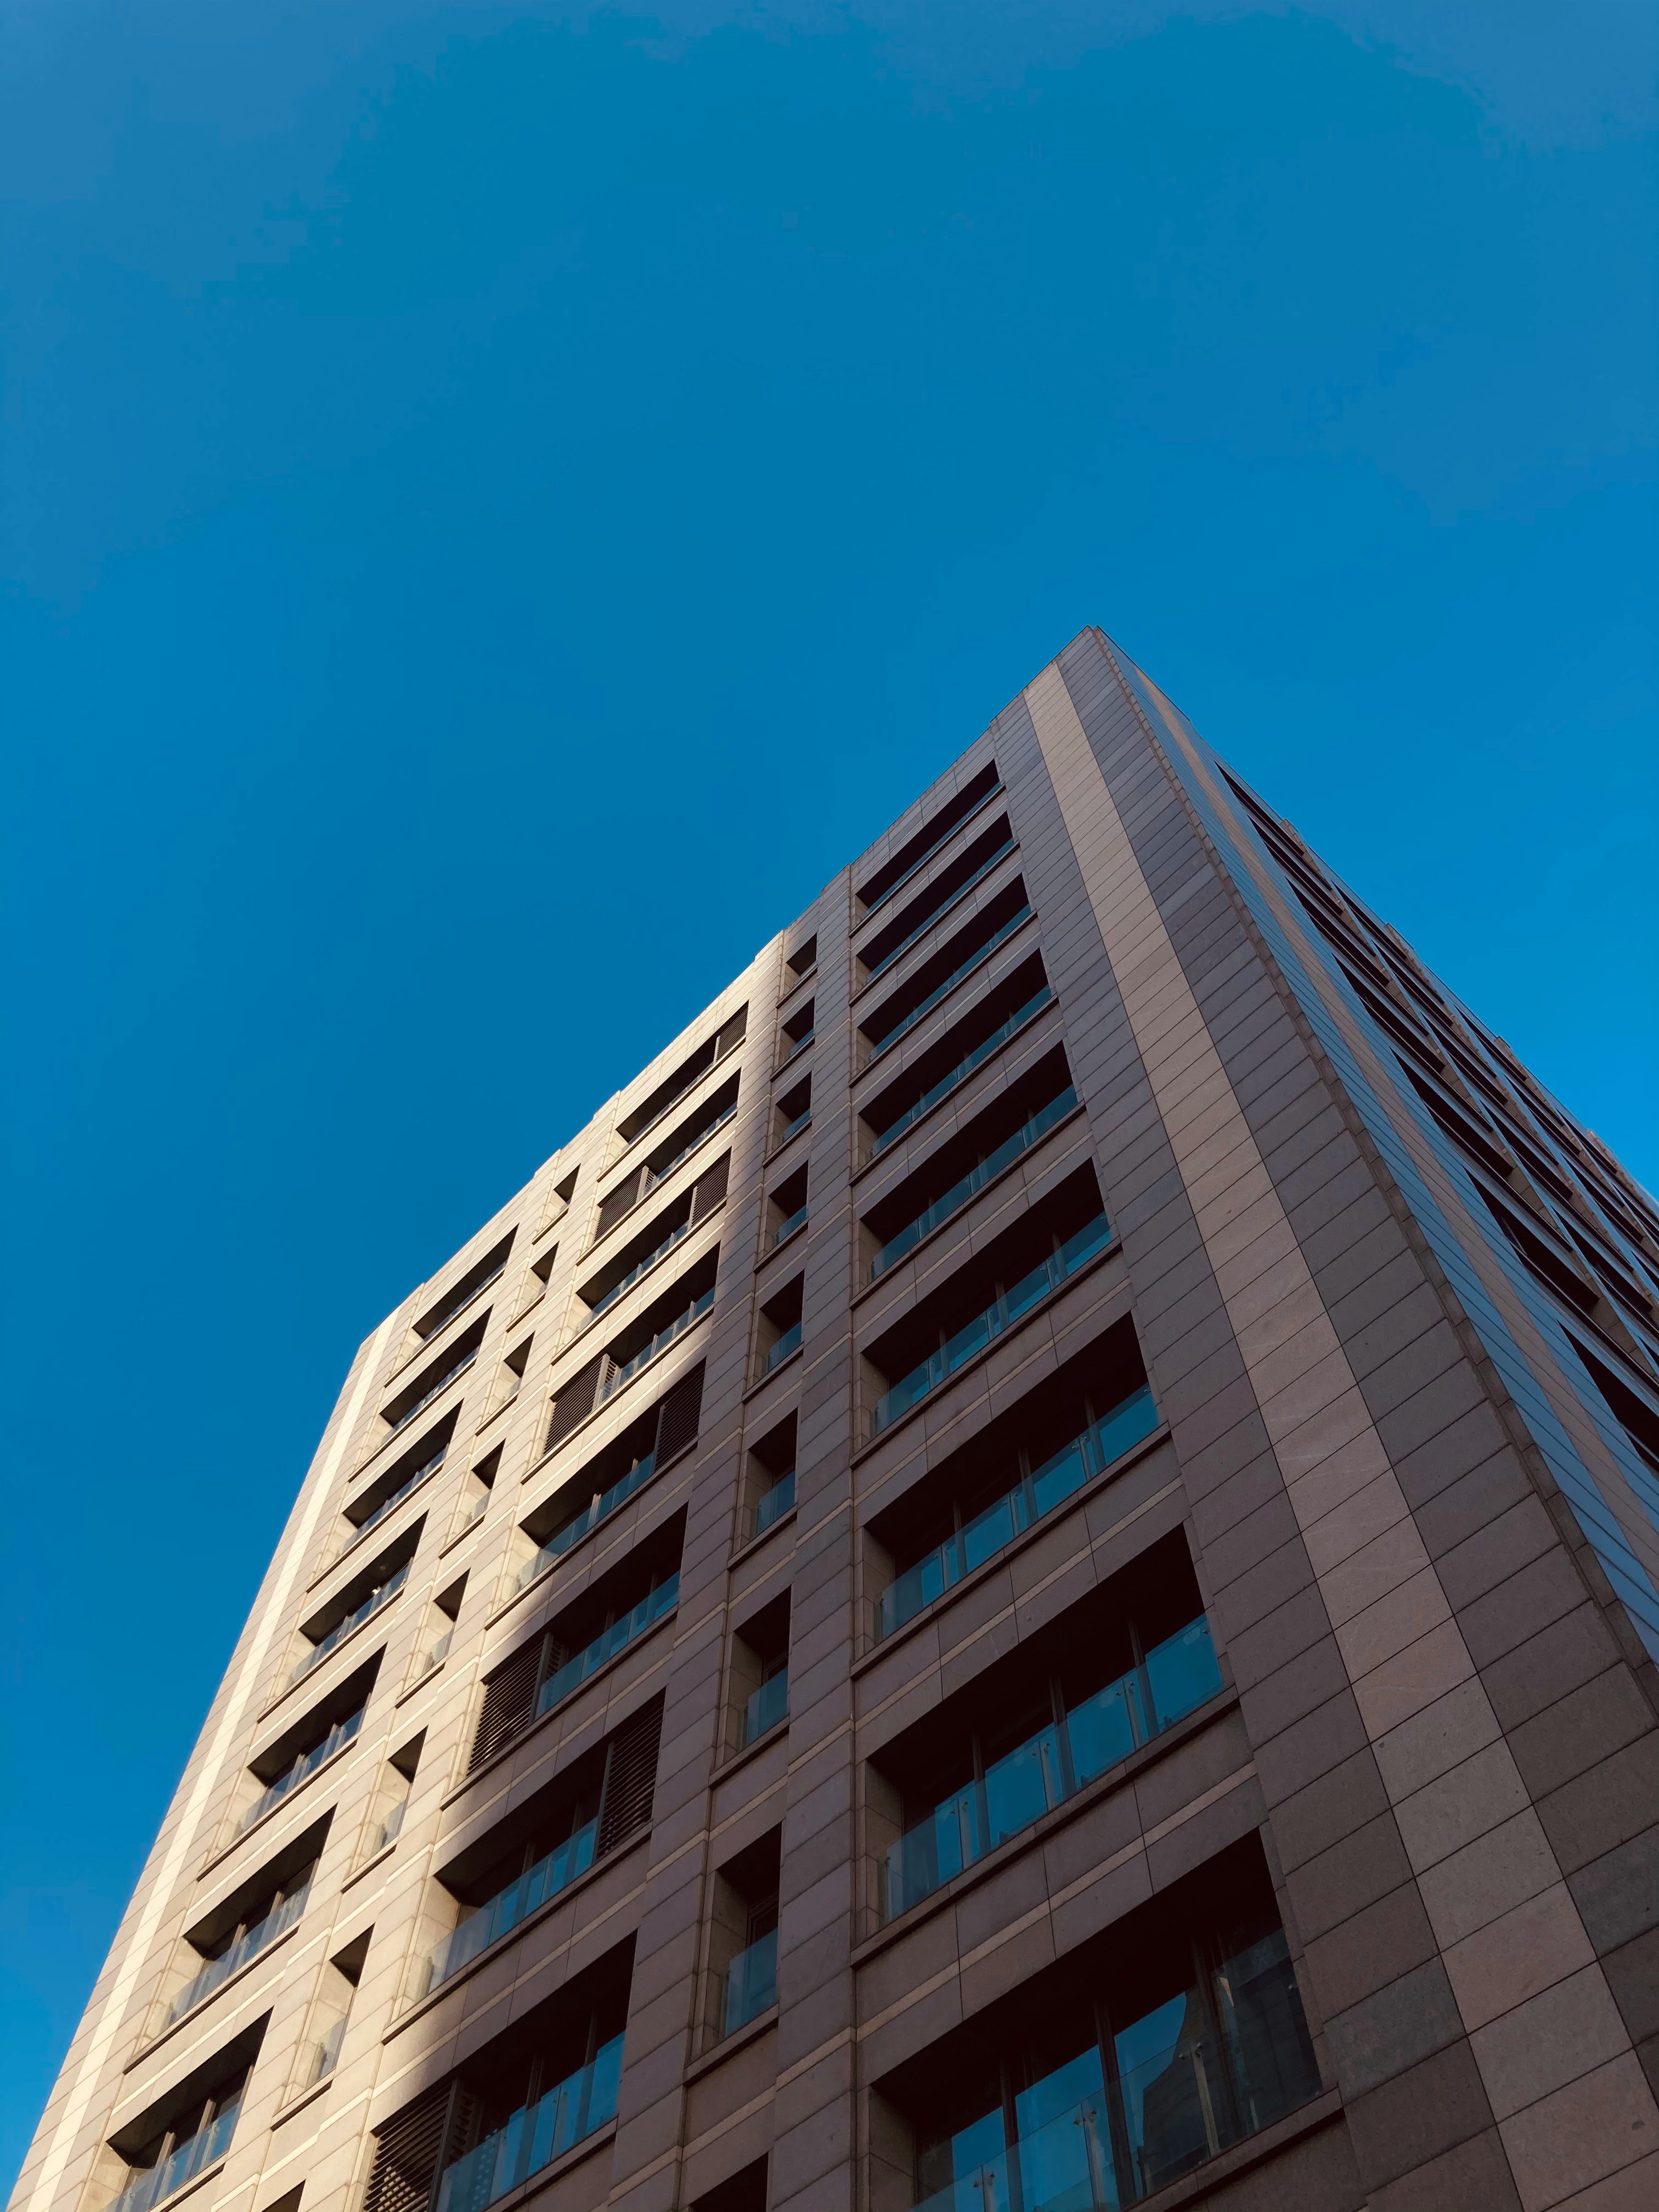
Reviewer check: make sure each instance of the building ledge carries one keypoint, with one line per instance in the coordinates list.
(729, 2045)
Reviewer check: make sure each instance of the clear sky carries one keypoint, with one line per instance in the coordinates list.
(480, 485)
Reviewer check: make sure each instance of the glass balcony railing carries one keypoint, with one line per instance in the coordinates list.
(775, 1502)
(535, 2135)
(922, 928)
(908, 1021)
(778, 1352)
(598, 1508)
(435, 1653)
(504, 1911)
(437, 1390)
(751, 1983)
(307, 1763)
(786, 1229)
(248, 1945)
(1016, 1509)
(952, 1202)
(790, 1128)
(963, 1068)
(1051, 1766)
(621, 1633)
(768, 1706)
(1187, 2079)
(182, 2163)
(392, 1827)
(383, 1594)
(639, 1267)
(796, 1046)
(612, 1380)
(986, 1328)
(389, 1505)
(326, 2055)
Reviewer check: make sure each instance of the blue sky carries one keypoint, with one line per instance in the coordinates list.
(468, 469)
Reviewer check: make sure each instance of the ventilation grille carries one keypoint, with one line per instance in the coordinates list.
(631, 1776)
(413, 2144)
(574, 1403)
(682, 1409)
(509, 1699)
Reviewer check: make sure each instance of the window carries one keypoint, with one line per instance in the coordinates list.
(461, 1292)
(1008, 1127)
(511, 1377)
(785, 1210)
(769, 1481)
(939, 973)
(434, 1378)
(651, 1244)
(355, 1604)
(617, 1609)
(330, 2010)
(889, 944)
(1059, 1712)
(966, 1509)
(379, 1500)
(1172, 2035)
(183, 2133)
(743, 1950)
(637, 1345)
(1638, 1419)
(796, 1033)
(667, 1094)
(992, 1292)
(965, 1047)
(779, 1325)
(390, 1806)
(920, 846)
(791, 1113)
(801, 963)
(474, 1501)
(760, 1673)
(611, 1477)
(534, 1856)
(515, 2106)
(239, 1928)
(304, 1746)
(533, 1287)
(440, 1633)
(681, 1141)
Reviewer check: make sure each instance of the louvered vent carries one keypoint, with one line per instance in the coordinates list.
(710, 1189)
(732, 1032)
(574, 1403)
(631, 1776)
(406, 2153)
(677, 1426)
(508, 1700)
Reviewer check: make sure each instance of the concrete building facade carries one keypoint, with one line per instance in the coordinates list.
(1025, 1579)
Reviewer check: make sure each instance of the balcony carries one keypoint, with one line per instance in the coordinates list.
(1040, 1774)
(917, 851)
(247, 1946)
(778, 1352)
(640, 1267)
(550, 1875)
(1008, 1309)
(768, 1708)
(611, 1378)
(342, 1628)
(751, 1983)
(535, 2135)
(1119, 2072)
(305, 1765)
(598, 1508)
(180, 2165)
(621, 1632)
(968, 1064)
(465, 1356)
(1017, 1509)
(985, 855)
(774, 1502)
(786, 1228)
(960, 1193)
(389, 1504)
(970, 949)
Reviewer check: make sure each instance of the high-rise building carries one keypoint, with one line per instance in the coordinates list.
(1025, 1579)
